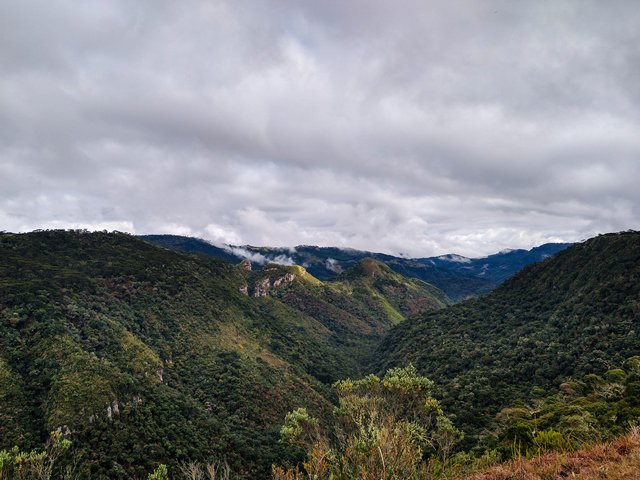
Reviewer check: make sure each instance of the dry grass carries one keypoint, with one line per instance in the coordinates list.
(618, 460)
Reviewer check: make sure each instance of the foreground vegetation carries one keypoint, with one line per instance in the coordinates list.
(381, 429)
(615, 460)
(392, 428)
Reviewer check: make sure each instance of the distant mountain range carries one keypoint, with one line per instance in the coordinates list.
(459, 277)
(499, 266)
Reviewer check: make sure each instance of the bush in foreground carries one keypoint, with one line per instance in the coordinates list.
(386, 428)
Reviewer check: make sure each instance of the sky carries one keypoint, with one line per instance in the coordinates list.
(411, 127)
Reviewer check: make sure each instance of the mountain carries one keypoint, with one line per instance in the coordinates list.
(192, 245)
(575, 313)
(358, 307)
(327, 263)
(497, 267)
(459, 277)
(144, 355)
(370, 290)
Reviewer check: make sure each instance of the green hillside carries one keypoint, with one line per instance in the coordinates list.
(143, 355)
(357, 308)
(576, 313)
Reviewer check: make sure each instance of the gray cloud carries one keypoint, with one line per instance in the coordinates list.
(407, 127)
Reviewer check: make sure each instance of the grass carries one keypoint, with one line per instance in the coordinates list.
(617, 460)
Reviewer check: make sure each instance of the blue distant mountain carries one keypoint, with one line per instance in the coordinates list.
(499, 266)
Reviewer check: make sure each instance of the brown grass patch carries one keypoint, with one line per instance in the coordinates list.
(618, 460)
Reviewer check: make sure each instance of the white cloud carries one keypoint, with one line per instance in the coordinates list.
(282, 260)
(259, 258)
(333, 265)
(411, 127)
(249, 255)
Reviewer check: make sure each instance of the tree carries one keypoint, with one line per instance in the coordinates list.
(160, 473)
(36, 464)
(382, 429)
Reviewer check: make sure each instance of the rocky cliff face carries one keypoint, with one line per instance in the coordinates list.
(264, 286)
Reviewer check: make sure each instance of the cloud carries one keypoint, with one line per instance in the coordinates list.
(409, 127)
(333, 265)
(282, 260)
(257, 257)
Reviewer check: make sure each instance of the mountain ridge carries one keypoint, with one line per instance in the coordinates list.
(468, 279)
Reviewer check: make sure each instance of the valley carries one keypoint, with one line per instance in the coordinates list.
(142, 355)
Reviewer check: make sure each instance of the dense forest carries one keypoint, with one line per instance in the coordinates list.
(392, 427)
(143, 355)
(120, 359)
(574, 314)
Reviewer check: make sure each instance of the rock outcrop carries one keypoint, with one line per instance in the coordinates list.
(265, 286)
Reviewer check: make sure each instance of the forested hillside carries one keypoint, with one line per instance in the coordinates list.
(142, 355)
(358, 307)
(545, 364)
(576, 313)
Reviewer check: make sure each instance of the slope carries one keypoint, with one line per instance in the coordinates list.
(616, 460)
(144, 355)
(575, 313)
(191, 245)
(147, 355)
(357, 308)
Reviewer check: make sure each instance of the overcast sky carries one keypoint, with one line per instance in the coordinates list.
(405, 126)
